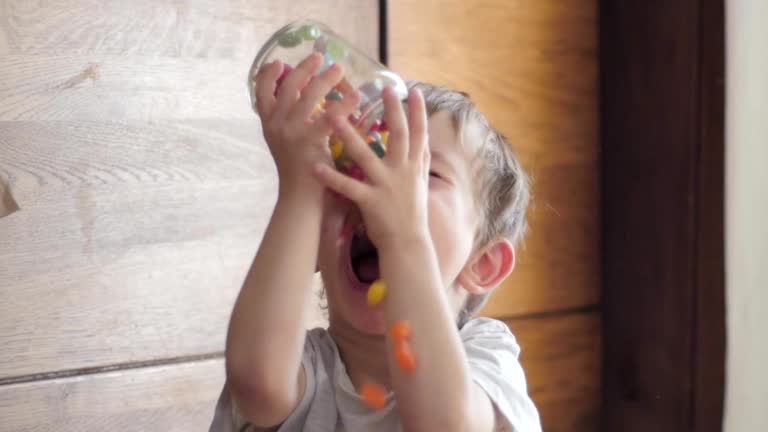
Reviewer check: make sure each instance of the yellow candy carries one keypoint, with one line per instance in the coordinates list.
(384, 137)
(318, 110)
(376, 292)
(337, 148)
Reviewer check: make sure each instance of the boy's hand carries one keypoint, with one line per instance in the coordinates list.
(393, 196)
(297, 139)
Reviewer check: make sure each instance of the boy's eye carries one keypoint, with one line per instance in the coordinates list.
(435, 174)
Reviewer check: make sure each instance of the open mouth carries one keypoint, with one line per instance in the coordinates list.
(364, 258)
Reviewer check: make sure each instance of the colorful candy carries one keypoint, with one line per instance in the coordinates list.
(337, 148)
(289, 40)
(376, 292)
(377, 148)
(309, 32)
(320, 43)
(356, 173)
(384, 137)
(336, 50)
(405, 357)
(400, 331)
(334, 95)
(374, 396)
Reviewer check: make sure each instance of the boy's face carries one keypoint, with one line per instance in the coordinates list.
(347, 261)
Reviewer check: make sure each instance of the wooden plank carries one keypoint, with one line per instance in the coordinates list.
(96, 87)
(172, 28)
(561, 355)
(532, 68)
(49, 157)
(662, 210)
(127, 140)
(710, 344)
(177, 397)
(99, 290)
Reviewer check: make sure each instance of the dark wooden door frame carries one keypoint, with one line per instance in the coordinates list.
(662, 141)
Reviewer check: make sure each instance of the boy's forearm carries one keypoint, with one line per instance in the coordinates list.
(266, 331)
(437, 395)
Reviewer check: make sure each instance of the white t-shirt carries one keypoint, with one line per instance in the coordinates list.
(331, 404)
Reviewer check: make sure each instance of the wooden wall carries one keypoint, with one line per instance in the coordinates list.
(128, 143)
(532, 68)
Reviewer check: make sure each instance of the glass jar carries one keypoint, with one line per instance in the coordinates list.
(298, 40)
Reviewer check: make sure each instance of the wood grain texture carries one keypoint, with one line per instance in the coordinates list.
(532, 69)
(710, 345)
(172, 28)
(662, 165)
(178, 397)
(142, 179)
(561, 356)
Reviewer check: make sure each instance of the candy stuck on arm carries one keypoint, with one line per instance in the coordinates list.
(400, 331)
(405, 357)
(374, 396)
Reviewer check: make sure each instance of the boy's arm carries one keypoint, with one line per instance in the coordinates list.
(267, 328)
(440, 394)
(268, 324)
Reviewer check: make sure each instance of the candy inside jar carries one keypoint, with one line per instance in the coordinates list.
(296, 41)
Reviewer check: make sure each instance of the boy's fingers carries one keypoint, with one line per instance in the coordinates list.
(397, 147)
(358, 150)
(347, 186)
(294, 83)
(417, 124)
(316, 90)
(343, 108)
(266, 82)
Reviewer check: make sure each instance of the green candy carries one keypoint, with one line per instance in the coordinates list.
(378, 148)
(336, 50)
(334, 95)
(289, 40)
(309, 32)
(343, 163)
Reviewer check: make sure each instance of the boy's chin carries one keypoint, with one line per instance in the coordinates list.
(362, 318)
(372, 324)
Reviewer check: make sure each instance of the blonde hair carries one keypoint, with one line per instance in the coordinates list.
(503, 186)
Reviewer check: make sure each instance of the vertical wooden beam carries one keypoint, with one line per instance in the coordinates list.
(662, 138)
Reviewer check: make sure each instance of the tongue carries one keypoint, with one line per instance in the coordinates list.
(368, 269)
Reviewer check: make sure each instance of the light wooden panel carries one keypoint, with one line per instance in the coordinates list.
(127, 140)
(179, 397)
(532, 68)
(562, 360)
(233, 29)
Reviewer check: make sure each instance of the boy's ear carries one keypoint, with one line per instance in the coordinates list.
(488, 267)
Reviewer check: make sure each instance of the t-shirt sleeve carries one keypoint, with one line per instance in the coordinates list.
(227, 417)
(493, 353)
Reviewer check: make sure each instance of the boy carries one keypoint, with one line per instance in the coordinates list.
(434, 219)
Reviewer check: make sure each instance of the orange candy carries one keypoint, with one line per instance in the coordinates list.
(374, 396)
(400, 331)
(405, 357)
